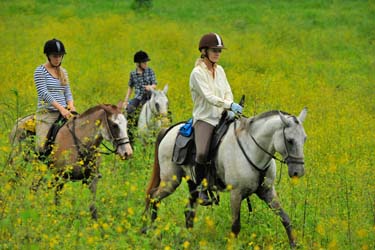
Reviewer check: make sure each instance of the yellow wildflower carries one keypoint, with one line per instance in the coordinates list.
(130, 211)
(186, 244)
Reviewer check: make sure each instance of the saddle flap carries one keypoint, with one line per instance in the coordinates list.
(183, 141)
(183, 149)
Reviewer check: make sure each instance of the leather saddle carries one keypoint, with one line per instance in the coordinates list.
(51, 136)
(184, 148)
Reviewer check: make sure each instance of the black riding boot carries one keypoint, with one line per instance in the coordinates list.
(200, 174)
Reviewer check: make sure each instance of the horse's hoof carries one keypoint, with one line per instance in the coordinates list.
(293, 246)
(144, 230)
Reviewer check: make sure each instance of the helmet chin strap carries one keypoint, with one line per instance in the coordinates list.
(206, 55)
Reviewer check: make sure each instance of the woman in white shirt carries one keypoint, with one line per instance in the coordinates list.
(211, 95)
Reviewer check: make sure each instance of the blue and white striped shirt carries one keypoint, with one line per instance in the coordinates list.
(49, 89)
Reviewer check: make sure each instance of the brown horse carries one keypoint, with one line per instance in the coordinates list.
(75, 152)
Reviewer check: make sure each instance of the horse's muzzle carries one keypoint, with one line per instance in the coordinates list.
(296, 170)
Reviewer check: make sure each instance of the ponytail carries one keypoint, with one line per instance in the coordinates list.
(62, 76)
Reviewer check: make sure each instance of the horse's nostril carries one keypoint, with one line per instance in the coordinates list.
(295, 174)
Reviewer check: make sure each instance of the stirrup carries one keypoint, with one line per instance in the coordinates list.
(204, 199)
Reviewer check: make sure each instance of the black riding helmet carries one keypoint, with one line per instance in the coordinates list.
(54, 46)
(141, 56)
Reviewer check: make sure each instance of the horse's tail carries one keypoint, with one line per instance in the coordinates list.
(155, 178)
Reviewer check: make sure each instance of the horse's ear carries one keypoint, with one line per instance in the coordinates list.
(302, 115)
(165, 90)
(284, 119)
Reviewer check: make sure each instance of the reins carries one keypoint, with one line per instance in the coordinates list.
(265, 151)
(265, 167)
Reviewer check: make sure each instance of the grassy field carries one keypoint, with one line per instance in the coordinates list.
(281, 54)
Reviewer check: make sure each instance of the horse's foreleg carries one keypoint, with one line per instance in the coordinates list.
(235, 203)
(58, 189)
(92, 186)
(190, 209)
(270, 197)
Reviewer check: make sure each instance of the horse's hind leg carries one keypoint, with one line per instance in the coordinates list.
(191, 207)
(270, 197)
(161, 192)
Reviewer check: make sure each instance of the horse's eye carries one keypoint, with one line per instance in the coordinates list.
(115, 126)
(157, 105)
(289, 141)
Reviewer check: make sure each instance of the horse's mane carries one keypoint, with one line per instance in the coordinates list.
(268, 114)
(109, 108)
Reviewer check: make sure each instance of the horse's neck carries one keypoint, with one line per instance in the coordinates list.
(264, 130)
(87, 129)
(145, 117)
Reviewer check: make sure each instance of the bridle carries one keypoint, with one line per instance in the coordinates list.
(116, 141)
(288, 159)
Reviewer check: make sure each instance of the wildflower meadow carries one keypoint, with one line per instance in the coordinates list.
(282, 55)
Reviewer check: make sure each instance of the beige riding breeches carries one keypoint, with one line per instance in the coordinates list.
(43, 123)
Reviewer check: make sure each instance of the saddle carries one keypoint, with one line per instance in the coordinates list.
(51, 136)
(184, 148)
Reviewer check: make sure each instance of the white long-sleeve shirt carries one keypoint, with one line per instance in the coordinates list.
(210, 95)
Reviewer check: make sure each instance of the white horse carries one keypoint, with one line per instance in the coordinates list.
(154, 115)
(245, 163)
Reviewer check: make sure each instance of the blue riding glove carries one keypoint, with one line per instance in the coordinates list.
(236, 108)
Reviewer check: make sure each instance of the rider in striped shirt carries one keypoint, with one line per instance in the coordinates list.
(54, 94)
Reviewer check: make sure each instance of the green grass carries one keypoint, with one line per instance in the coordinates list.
(281, 55)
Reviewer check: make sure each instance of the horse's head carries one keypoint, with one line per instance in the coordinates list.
(159, 104)
(115, 130)
(290, 141)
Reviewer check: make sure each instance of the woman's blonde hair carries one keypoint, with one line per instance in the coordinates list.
(62, 75)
